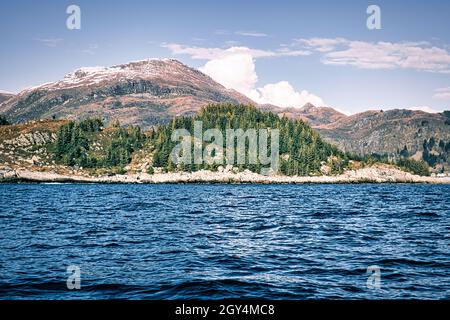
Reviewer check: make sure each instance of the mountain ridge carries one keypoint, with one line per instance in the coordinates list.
(143, 92)
(151, 92)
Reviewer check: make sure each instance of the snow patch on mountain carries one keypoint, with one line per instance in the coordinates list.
(141, 69)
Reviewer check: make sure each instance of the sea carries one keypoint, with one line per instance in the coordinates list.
(224, 241)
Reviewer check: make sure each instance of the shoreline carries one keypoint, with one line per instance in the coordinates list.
(374, 174)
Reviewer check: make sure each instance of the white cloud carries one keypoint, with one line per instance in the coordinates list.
(442, 93)
(234, 71)
(193, 52)
(420, 56)
(215, 53)
(424, 109)
(234, 68)
(322, 44)
(347, 113)
(251, 34)
(282, 94)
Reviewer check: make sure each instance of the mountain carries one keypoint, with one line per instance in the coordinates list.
(302, 150)
(151, 92)
(5, 96)
(395, 133)
(386, 132)
(90, 151)
(141, 93)
(314, 115)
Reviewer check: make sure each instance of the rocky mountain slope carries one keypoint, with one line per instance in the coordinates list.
(5, 96)
(386, 132)
(142, 93)
(315, 116)
(150, 92)
(393, 133)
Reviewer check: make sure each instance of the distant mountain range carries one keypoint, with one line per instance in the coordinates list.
(151, 92)
(387, 132)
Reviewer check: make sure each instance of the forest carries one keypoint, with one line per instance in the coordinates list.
(89, 144)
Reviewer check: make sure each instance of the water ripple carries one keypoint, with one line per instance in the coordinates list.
(224, 241)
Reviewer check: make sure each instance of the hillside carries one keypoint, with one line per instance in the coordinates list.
(387, 132)
(392, 134)
(5, 96)
(90, 150)
(302, 151)
(91, 147)
(151, 92)
(315, 116)
(140, 93)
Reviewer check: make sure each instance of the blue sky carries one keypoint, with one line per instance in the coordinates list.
(284, 52)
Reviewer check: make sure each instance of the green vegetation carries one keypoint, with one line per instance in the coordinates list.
(87, 144)
(436, 154)
(3, 121)
(302, 150)
(416, 167)
(73, 143)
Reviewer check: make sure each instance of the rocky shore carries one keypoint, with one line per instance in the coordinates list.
(374, 174)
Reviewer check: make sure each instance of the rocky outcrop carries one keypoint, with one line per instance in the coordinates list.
(31, 139)
(374, 174)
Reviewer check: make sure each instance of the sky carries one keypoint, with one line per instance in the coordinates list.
(282, 52)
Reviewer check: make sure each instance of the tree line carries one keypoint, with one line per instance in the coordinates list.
(301, 149)
(87, 144)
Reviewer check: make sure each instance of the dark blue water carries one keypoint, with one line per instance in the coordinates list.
(224, 241)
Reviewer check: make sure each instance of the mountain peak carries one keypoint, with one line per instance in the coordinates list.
(308, 107)
(171, 70)
(143, 92)
(132, 70)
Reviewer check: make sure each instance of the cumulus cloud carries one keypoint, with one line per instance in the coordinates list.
(420, 56)
(234, 71)
(282, 94)
(235, 68)
(442, 93)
